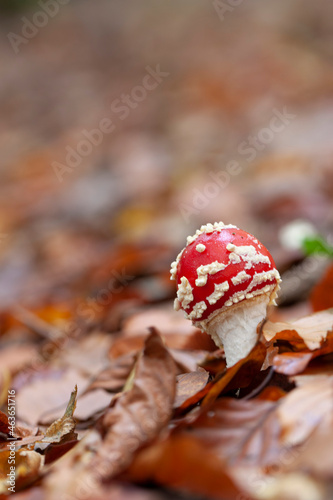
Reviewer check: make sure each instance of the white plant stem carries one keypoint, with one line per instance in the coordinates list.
(235, 328)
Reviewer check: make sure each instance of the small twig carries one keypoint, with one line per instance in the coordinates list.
(258, 389)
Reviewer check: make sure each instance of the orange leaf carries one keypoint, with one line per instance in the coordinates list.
(184, 463)
(322, 294)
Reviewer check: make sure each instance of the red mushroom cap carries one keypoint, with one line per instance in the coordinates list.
(221, 266)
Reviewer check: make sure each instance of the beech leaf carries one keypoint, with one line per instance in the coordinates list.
(64, 425)
(312, 330)
(141, 413)
(188, 385)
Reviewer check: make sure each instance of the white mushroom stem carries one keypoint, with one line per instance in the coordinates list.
(235, 328)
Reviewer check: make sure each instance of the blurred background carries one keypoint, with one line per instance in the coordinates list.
(126, 125)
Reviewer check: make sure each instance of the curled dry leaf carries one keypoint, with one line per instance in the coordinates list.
(141, 413)
(311, 330)
(64, 425)
(135, 418)
(308, 338)
(293, 363)
(59, 432)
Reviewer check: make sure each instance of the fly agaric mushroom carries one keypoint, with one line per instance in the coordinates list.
(226, 279)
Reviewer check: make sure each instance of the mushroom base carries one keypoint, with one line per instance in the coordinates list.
(235, 329)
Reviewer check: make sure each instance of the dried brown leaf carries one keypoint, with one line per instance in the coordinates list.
(238, 375)
(125, 345)
(88, 355)
(60, 433)
(114, 377)
(318, 445)
(64, 425)
(71, 475)
(290, 363)
(303, 410)
(184, 463)
(44, 398)
(311, 330)
(319, 369)
(188, 385)
(260, 432)
(91, 404)
(140, 414)
(238, 430)
(188, 361)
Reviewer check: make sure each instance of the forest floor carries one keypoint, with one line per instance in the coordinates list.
(105, 390)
